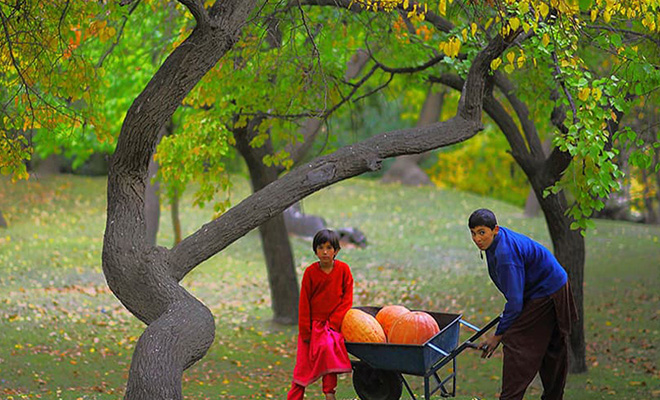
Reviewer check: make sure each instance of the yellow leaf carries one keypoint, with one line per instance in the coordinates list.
(495, 63)
(544, 9)
(455, 46)
(442, 7)
(511, 56)
(509, 68)
(473, 28)
(607, 15)
(583, 94)
(521, 60)
(465, 34)
(514, 23)
(545, 40)
(594, 14)
(597, 93)
(405, 4)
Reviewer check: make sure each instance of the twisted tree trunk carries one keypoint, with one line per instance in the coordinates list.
(145, 278)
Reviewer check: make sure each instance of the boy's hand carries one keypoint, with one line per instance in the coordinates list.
(489, 345)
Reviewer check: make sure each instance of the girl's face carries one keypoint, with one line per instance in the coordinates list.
(326, 253)
(483, 236)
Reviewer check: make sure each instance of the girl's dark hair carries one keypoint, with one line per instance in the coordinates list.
(326, 235)
(482, 217)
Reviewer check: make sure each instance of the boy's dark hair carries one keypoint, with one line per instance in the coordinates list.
(482, 217)
(326, 235)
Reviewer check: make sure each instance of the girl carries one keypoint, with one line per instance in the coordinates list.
(325, 297)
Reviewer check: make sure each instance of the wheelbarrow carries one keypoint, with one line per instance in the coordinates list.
(378, 374)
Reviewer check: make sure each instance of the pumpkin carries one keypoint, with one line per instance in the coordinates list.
(359, 326)
(415, 327)
(388, 315)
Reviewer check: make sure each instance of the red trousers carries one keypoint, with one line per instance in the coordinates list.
(297, 392)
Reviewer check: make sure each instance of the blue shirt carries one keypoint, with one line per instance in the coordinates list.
(522, 269)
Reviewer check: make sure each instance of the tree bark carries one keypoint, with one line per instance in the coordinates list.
(180, 328)
(146, 278)
(3, 222)
(532, 206)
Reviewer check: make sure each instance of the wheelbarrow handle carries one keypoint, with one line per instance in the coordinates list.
(478, 333)
(468, 343)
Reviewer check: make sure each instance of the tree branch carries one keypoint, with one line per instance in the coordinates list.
(344, 163)
(528, 126)
(196, 8)
(119, 34)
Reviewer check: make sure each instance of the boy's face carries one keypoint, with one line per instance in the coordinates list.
(325, 252)
(483, 236)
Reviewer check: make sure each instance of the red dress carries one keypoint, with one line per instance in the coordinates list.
(324, 300)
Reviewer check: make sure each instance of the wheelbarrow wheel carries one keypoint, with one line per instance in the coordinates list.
(376, 384)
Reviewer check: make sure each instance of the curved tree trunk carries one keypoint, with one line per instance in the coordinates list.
(180, 328)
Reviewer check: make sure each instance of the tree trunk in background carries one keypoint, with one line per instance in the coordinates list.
(657, 182)
(569, 248)
(47, 166)
(532, 206)
(152, 203)
(3, 223)
(152, 193)
(650, 216)
(176, 221)
(405, 169)
(280, 264)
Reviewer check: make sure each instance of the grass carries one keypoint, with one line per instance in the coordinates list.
(64, 336)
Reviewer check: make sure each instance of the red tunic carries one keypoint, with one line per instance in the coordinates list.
(324, 300)
(324, 297)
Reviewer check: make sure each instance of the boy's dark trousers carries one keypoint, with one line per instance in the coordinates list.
(537, 341)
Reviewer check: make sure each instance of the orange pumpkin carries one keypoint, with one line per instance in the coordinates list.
(415, 327)
(358, 326)
(388, 315)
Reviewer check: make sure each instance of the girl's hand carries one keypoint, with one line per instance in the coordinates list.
(489, 345)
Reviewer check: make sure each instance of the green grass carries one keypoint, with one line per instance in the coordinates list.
(64, 336)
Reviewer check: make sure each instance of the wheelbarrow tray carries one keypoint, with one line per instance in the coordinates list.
(406, 358)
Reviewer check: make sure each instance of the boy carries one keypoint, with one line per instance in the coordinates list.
(538, 313)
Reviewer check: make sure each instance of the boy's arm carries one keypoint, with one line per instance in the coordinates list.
(337, 316)
(512, 280)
